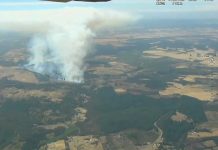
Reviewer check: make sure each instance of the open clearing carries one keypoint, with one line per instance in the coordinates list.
(199, 135)
(23, 94)
(179, 117)
(192, 55)
(15, 55)
(193, 78)
(114, 68)
(59, 145)
(17, 74)
(192, 90)
(84, 143)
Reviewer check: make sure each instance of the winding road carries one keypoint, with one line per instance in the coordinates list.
(155, 145)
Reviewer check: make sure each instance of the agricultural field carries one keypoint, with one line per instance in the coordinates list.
(141, 91)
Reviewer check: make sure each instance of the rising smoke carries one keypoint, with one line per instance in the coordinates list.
(61, 39)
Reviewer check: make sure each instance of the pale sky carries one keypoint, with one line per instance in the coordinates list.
(147, 8)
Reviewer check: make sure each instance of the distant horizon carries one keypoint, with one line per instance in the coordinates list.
(147, 9)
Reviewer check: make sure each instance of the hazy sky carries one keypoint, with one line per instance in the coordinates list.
(147, 8)
(61, 31)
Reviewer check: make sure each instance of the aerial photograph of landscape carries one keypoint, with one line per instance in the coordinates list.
(108, 75)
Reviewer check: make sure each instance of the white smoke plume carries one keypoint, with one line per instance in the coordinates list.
(61, 38)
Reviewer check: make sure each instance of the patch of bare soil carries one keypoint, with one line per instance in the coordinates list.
(179, 117)
(193, 78)
(15, 56)
(192, 90)
(120, 90)
(193, 55)
(203, 134)
(17, 74)
(84, 143)
(24, 94)
(59, 145)
(114, 69)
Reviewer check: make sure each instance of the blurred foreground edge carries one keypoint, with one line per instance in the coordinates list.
(78, 0)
